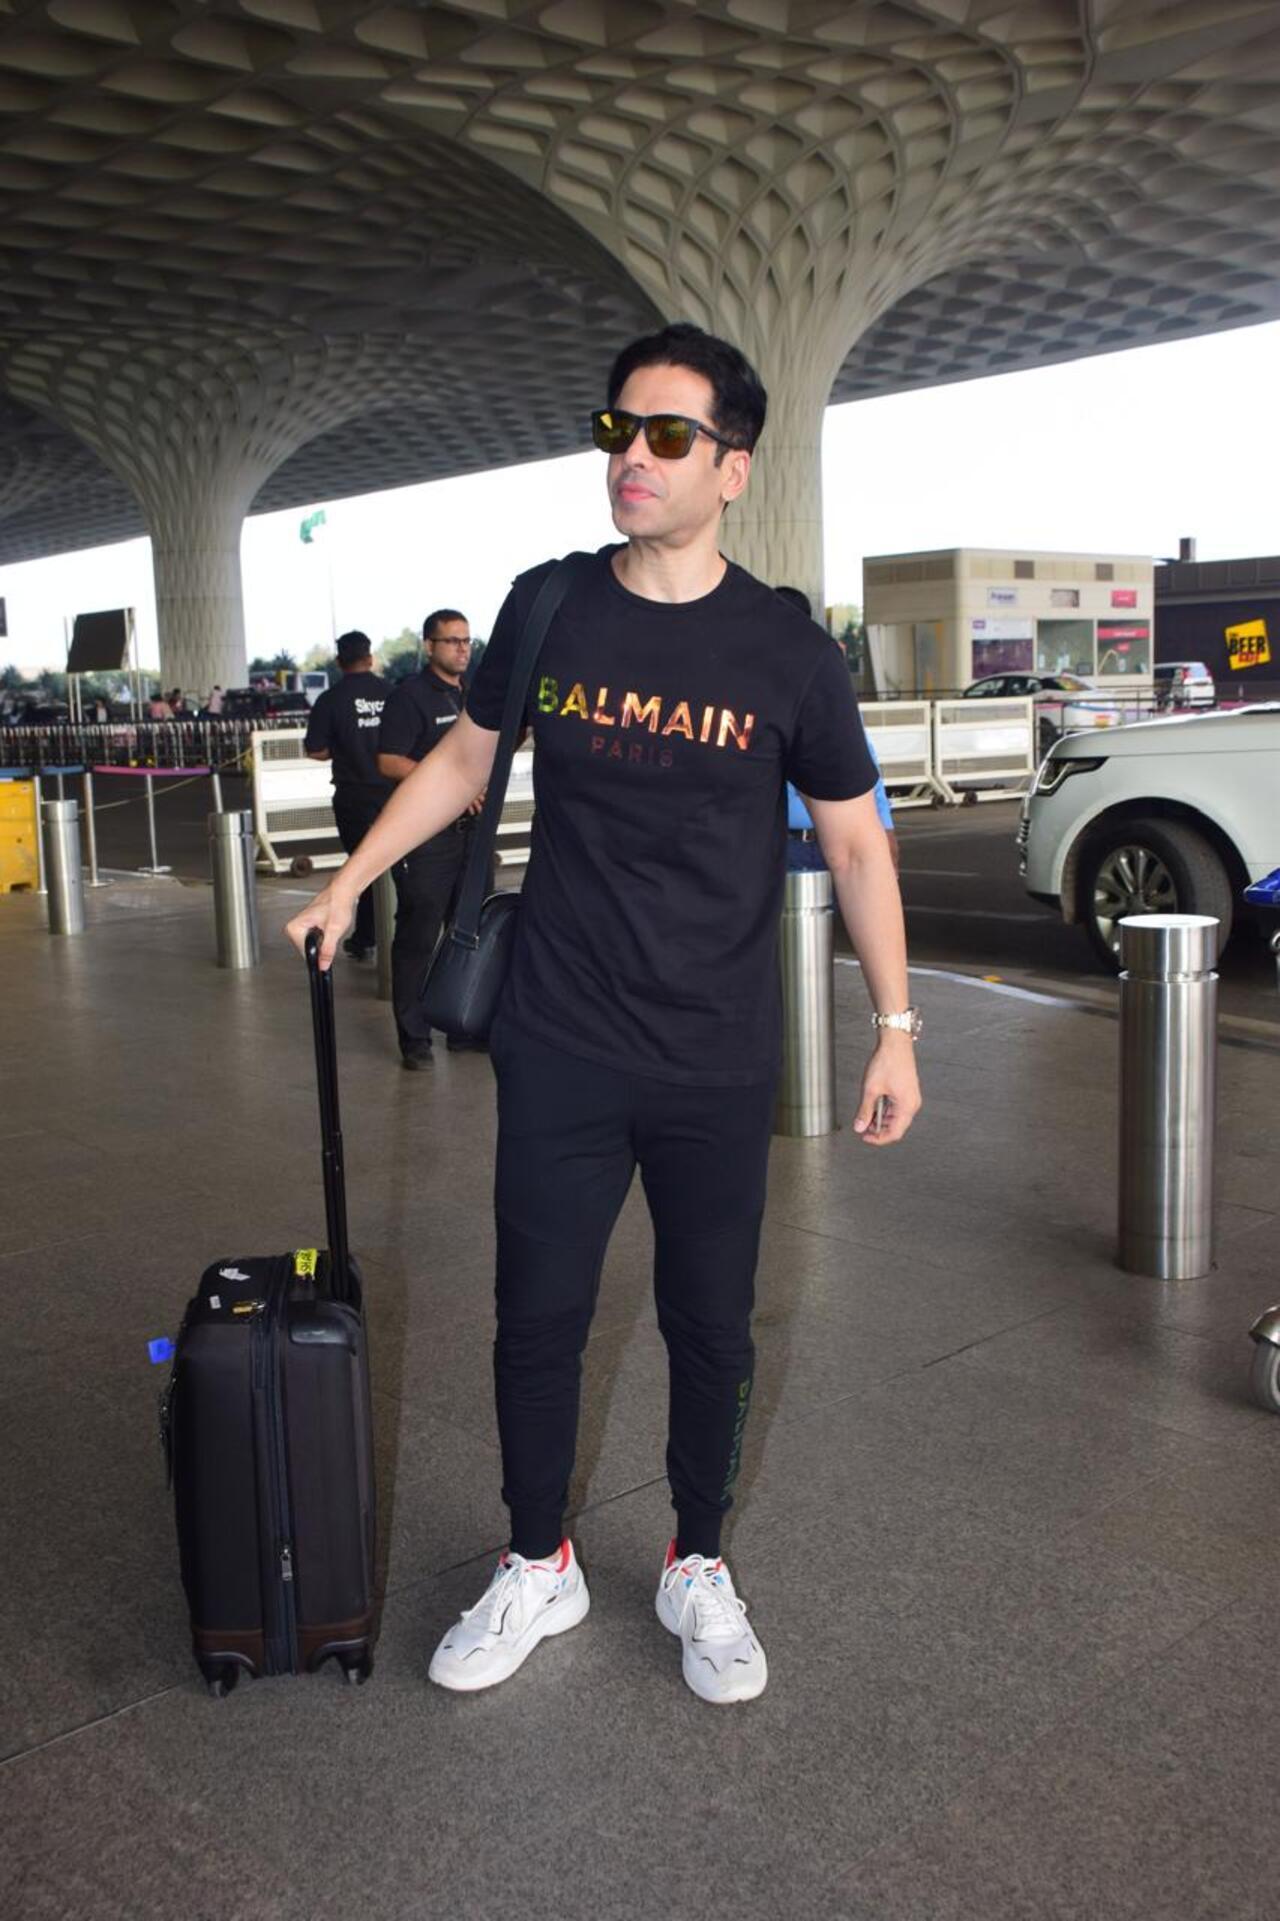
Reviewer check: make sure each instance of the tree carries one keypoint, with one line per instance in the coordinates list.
(322, 656)
(11, 678)
(407, 640)
(271, 667)
(400, 666)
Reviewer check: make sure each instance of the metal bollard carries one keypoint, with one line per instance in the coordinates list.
(384, 923)
(155, 867)
(235, 894)
(1168, 1089)
(41, 878)
(91, 831)
(62, 873)
(806, 1089)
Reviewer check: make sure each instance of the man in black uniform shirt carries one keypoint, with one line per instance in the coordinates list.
(417, 717)
(344, 729)
(640, 1023)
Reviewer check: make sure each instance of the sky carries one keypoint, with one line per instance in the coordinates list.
(1121, 453)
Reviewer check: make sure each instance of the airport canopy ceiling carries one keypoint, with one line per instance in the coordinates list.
(317, 247)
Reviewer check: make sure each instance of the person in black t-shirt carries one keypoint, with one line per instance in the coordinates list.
(674, 698)
(418, 715)
(343, 729)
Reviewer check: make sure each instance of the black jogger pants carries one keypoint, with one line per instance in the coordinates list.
(570, 1136)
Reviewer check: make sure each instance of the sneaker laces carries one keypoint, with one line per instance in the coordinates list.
(718, 1613)
(507, 1580)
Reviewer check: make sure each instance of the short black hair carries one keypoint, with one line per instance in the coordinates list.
(438, 619)
(739, 401)
(796, 597)
(353, 646)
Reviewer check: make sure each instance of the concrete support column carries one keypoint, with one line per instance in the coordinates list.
(193, 427)
(195, 549)
(775, 530)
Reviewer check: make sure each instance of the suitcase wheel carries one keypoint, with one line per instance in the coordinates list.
(220, 1677)
(358, 1669)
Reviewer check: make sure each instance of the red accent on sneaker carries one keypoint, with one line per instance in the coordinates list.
(558, 1564)
(671, 1556)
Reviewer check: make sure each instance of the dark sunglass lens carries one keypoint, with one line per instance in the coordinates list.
(613, 432)
(670, 436)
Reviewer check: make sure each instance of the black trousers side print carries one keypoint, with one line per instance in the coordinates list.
(570, 1136)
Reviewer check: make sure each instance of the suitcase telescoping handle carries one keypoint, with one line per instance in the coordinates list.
(335, 1183)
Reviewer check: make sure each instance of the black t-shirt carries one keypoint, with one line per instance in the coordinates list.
(418, 715)
(344, 723)
(665, 735)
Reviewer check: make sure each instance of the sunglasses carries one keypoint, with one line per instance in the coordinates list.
(668, 436)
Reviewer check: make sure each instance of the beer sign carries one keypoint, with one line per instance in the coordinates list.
(1247, 644)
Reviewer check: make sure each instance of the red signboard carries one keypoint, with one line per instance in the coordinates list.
(1124, 596)
(1113, 630)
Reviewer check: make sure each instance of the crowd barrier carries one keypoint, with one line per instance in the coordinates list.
(292, 803)
(936, 752)
(161, 744)
(982, 748)
(932, 752)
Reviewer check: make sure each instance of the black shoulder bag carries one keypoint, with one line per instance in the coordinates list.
(462, 984)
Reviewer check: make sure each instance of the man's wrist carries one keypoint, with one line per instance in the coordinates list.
(904, 1022)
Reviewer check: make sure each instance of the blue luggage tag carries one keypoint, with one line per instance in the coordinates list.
(160, 1351)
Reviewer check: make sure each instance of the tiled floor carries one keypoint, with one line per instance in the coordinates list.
(1007, 1518)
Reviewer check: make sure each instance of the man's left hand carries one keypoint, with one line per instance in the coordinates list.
(890, 1076)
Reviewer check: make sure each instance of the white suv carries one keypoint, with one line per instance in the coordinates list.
(1164, 816)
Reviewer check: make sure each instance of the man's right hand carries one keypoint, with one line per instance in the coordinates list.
(332, 911)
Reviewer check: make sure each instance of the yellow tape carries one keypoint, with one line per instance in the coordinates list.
(304, 1262)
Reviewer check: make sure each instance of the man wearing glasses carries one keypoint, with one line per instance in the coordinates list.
(674, 698)
(416, 719)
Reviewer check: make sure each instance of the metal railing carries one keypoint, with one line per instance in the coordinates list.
(223, 744)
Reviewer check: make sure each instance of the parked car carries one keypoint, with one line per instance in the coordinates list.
(1184, 683)
(1176, 815)
(1064, 703)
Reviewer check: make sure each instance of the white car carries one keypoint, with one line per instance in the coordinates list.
(1183, 683)
(1065, 703)
(1163, 816)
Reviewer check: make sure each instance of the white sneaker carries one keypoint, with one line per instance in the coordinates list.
(723, 1661)
(524, 1601)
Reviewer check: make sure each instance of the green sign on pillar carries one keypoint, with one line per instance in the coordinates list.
(309, 526)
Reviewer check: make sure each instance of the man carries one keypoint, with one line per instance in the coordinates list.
(640, 1022)
(343, 728)
(419, 714)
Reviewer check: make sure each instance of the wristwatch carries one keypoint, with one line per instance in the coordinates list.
(908, 1022)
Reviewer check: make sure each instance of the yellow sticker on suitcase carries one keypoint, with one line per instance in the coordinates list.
(304, 1263)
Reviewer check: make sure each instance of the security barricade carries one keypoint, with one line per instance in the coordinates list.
(901, 734)
(292, 803)
(984, 749)
(516, 822)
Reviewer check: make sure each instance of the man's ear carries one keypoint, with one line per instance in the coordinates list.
(735, 471)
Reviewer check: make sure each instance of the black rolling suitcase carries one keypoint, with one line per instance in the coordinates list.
(266, 1422)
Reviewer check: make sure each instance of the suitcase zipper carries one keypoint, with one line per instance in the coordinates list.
(267, 1373)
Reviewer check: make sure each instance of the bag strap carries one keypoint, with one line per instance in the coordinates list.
(335, 1186)
(465, 931)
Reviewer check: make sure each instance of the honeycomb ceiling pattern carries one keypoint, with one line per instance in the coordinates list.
(270, 251)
